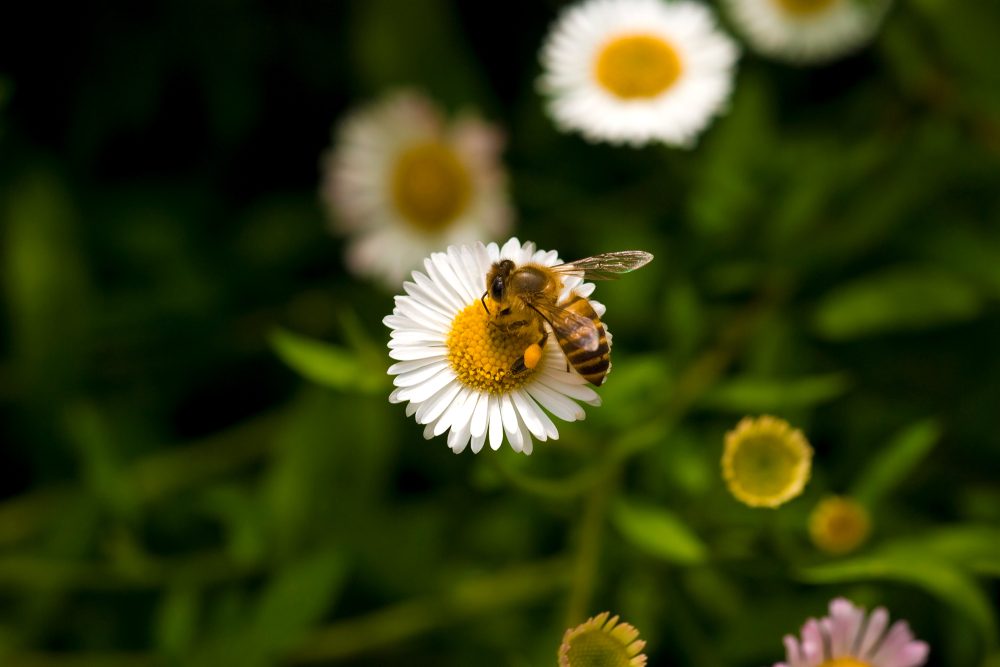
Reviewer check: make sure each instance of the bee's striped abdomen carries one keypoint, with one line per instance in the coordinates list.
(589, 361)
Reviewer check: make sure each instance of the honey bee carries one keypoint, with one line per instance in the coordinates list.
(526, 298)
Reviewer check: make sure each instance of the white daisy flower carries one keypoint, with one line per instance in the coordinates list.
(807, 31)
(453, 367)
(400, 181)
(637, 71)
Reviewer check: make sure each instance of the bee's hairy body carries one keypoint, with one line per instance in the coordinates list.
(526, 297)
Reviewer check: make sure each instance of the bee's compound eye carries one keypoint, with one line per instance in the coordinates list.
(496, 289)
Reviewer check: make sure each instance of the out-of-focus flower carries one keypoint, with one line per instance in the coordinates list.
(807, 31)
(454, 367)
(839, 525)
(637, 71)
(765, 461)
(602, 642)
(849, 637)
(400, 181)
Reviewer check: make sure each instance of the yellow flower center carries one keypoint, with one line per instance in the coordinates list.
(602, 642)
(637, 66)
(766, 462)
(845, 662)
(596, 648)
(482, 354)
(805, 7)
(430, 186)
(839, 525)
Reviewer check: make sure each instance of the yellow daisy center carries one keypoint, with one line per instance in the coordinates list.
(845, 662)
(805, 7)
(637, 66)
(839, 525)
(766, 462)
(596, 648)
(430, 186)
(482, 354)
(602, 642)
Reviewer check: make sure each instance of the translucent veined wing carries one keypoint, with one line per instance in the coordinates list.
(568, 324)
(606, 266)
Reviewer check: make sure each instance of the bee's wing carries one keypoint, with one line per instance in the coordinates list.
(567, 324)
(606, 266)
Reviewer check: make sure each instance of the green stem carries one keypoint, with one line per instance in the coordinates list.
(588, 554)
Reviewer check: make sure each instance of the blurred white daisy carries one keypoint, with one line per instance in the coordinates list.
(849, 637)
(807, 31)
(400, 181)
(454, 369)
(637, 71)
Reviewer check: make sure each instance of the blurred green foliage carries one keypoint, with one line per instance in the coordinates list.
(198, 464)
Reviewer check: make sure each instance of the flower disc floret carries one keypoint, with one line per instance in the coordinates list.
(839, 525)
(430, 185)
(766, 462)
(637, 66)
(482, 355)
(602, 641)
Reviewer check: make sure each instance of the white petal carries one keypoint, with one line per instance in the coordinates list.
(417, 352)
(557, 404)
(477, 426)
(402, 367)
(419, 312)
(435, 406)
(477, 442)
(580, 392)
(431, 298)
(496, 424)
(420, 375)
(528, 411)
(458, 438)
(428, 388)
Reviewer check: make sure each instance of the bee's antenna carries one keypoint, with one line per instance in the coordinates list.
(483, 301)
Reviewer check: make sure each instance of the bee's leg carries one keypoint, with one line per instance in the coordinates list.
(532, 355)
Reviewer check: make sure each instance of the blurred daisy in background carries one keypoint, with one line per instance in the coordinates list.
(806, 31)
(453, 367)
(602, 641)
(849, 637)
(765, 461)
(839, 525)
(637, 71)
(400, 181)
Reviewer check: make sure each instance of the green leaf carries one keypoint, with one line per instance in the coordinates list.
(900, 298)
(893, 463)
(658, 532)
(296, 600)
(972, 547)
(934, 575)
(325, 364)
(744, 395)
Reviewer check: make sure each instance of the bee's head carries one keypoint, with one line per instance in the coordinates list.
(496, 281)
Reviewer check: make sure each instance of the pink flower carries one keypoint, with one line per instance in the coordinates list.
(849, 637)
